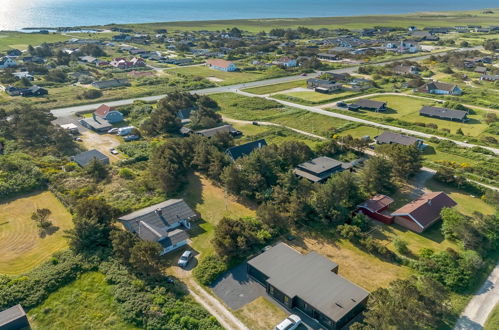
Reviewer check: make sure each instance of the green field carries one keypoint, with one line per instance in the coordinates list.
(21, 246)
(450, 18)
(268, 89)
(222, 78)
(246, 108)
(493, 319)
(21, 41)
(87, 303)
(311, 97)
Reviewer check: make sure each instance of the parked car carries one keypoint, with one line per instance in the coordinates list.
(113, 151)
(304, 74)
(113, 130)
(290, 323)
(341, 104)
(255, 123)
(77, 139)
(125, 130)
(129, 138)
(184, 259)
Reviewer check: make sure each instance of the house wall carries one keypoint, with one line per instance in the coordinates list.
(407, 223)
(173, 247)
(20, 323)
(377, 216)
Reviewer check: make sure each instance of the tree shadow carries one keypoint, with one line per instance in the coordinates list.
(48, 231)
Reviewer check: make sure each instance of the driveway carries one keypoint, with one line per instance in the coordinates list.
(236, 289)
(479, 308)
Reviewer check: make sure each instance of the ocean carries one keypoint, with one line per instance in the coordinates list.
(18, 14)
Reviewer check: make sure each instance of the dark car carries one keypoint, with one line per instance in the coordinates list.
(341, 104)
(129, 138)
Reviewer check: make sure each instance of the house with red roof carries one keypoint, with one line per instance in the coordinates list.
(222, 65)
(374, 208)
(109, 113)
(423, 212)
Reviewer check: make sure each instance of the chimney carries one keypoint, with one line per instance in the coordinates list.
(93, 116)
(159, 212)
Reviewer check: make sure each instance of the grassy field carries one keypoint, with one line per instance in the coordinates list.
(493, 319)
(243, 108)
(450, 18)
(260, 314)
(21, 41)
(212, 204)
(268, 89)
(362, 131)
(222, 78)
(87, 303)
(21, 247)
(311, 97)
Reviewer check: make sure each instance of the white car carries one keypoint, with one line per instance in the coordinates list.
(289, 323)
(113, 151)
(184, 259)
(113, 131)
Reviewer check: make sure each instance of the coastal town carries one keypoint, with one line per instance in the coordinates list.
(167, 176)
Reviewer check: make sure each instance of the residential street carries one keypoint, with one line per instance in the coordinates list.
(479, 308)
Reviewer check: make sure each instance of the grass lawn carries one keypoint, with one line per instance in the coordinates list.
(407, 109)
(260, 314)
(360, 267)
(212, 204)
(493, 319)
(21, 41)
(87, 303)
(362, 131)
(21, 247)
(311, 97)
(221, 77)
(268, 89)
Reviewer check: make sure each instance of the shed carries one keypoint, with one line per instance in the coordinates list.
(14, 318)
(84, 158)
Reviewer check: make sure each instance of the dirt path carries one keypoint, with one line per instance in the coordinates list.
(479, 308)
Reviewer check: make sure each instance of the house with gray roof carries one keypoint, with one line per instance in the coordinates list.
(84, 158)
(245, 149)
(320, 169)
(211, 132)
(14, 318)
(310, 283)
(388, 137)
(166, 223)
(439, 88)
(367, 104)
(323, 86)
(444, 113)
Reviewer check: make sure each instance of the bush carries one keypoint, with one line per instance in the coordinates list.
(126, 173)
(209, 268)
(19, 174)
(91, 94)
(400, 245)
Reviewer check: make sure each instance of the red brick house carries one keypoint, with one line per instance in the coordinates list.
(423, 212)
(374, 206)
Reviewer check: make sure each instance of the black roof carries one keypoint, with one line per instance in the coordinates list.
(369, 104)
(245, 149)
(174, 237)
(311, 277)
(443, 113)
(84, 158)
(11, 314)
(210, 132)
(390, 137)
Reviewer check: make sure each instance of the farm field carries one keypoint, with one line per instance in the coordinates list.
(87, 303)
(21, 247)
(311, 97)
(268, 89)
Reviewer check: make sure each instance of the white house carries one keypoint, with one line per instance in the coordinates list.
(7, 62)
(222, 65)
(404, 46)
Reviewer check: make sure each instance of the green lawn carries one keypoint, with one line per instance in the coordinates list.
(493, 320)
(212, 204)
(311, 97)
(21, 246)
(268, 89)
(362, 131)
(21, 41)
(260, 314)
(221, 78)
(407, 108)
(87, 303)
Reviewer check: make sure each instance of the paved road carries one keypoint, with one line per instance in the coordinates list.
(363, 121)
(68, 111)
(482, 303)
